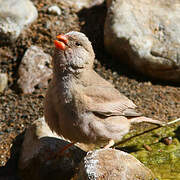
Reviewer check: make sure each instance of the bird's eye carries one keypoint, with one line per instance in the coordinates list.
(78, 44)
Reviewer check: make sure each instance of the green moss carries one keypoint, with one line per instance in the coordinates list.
(162, 159)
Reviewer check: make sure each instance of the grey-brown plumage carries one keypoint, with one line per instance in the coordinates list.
(82, 106)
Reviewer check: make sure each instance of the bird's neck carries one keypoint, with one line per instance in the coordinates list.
(63, 85)
(62, 77)
(65, 75)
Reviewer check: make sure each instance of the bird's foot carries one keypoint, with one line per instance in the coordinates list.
(59, 153)
(110, 144)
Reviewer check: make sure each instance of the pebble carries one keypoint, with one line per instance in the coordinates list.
(147, 147)
(54, 10)
(167, 140)
(3, 81)
(80, 4)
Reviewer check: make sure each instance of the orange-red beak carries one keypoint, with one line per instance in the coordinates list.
(61, 42)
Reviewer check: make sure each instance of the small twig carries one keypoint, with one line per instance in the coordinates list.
(144, 132)
(172, 122)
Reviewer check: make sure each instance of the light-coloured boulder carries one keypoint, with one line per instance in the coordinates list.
(34, 69)
(3, 81)
(149, 32)
(37, 159)
(14, 16)
(114, 165)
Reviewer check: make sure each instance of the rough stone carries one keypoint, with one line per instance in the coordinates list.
(14, 16)
(37, 160)
(149, 32)
(34, 69)
(3, 81)
(114, 165)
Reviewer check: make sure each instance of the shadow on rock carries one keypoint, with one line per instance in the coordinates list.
(9, 171)
(44, 165)
(128, 149)
(40, 158)
(94, 19)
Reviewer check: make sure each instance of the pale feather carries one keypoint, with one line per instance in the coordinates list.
(104, 99)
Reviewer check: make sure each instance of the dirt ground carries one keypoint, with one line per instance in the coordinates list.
(17, 111)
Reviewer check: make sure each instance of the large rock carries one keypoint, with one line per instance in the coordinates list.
(114, 165)
(14, 16)
(34, 69)
(37, 160)
(149, 32)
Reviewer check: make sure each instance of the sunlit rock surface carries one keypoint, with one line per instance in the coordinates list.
(149, 33)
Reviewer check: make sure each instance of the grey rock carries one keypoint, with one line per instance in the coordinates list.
(14, 16)
(3, 81)
(149, 32)
(37, 161)
(34, 69)
(54, 10)
(114, 165)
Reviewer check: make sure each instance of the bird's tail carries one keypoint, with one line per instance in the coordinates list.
(152, 121)
(146, 119)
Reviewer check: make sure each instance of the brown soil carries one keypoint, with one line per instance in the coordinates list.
(18, 111)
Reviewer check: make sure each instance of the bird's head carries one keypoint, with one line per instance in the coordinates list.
(73, 52)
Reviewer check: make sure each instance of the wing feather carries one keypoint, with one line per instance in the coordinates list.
(108, 101)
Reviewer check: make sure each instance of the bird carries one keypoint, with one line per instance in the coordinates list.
(82, 106)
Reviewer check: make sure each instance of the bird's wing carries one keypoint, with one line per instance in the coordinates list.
(107, 101)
